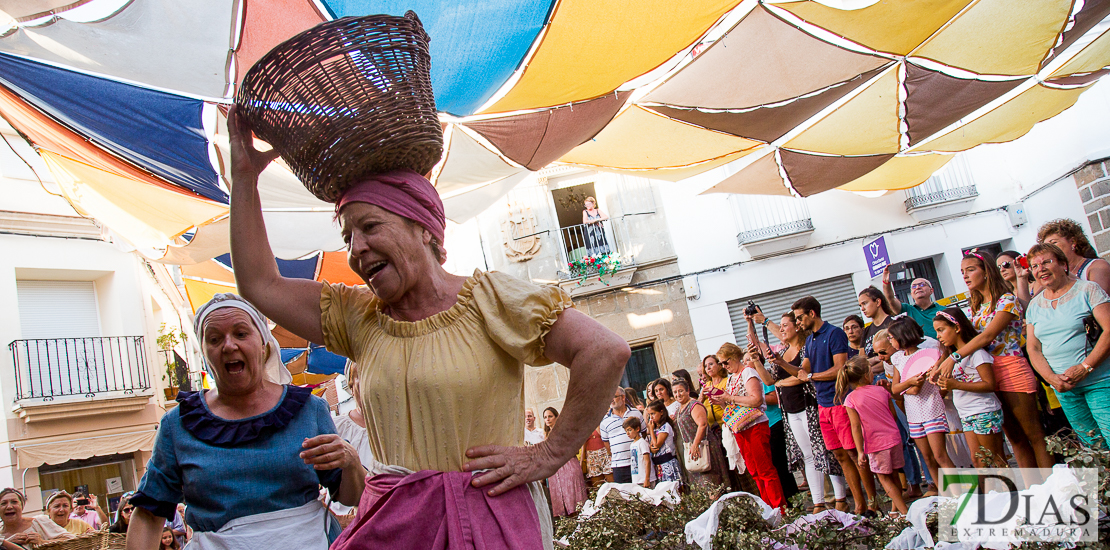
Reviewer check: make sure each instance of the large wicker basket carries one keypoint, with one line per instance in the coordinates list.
(97, 540)
(345, 99)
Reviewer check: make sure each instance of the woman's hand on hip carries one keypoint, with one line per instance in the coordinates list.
(511, 466)
(328, 452)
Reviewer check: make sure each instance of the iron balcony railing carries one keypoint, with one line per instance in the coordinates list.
(56, 367)
(780, 230)
(940, 197)
(599, 240)
(954, 182)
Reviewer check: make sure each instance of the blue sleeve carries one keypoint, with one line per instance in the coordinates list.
(838, 341)
(330, 479)
(160, 489)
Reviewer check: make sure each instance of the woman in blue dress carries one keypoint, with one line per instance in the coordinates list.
(248, 457)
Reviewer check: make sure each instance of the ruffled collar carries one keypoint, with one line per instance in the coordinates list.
(211, 429)
(412, 329)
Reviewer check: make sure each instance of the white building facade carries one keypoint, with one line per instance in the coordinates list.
(82, 376)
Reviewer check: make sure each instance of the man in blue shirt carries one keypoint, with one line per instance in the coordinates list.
(826, 352)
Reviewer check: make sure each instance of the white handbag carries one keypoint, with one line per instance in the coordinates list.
(702, 463)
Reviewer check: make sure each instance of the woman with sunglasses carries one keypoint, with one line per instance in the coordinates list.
(123, 515)
(1015, 275)
(997, 316)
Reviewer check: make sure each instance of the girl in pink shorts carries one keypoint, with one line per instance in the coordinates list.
(871, 410)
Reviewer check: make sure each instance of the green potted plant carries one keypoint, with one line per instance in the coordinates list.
(168, 338)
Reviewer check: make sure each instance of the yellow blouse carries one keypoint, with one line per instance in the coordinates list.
(715, 413)
(434, 388)
(78, 526)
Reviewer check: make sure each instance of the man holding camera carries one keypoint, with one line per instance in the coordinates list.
(85, 508)
(923, 308)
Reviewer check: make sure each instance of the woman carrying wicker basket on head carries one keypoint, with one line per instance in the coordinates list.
(441, 363)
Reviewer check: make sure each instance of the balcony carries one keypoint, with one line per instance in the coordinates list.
(948, 193)
(771, 225)
(85, 367)
(594, 251)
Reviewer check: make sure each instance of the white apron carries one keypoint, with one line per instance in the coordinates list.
(302, 528)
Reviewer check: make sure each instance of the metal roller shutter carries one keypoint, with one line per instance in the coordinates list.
(837, 296)
(57, 309)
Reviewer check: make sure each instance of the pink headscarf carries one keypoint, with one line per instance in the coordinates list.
(405, 193)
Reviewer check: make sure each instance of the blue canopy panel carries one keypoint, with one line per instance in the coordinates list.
(289, 354)
(159, 132)
(476, 44)
(290, 269)
(322, 361)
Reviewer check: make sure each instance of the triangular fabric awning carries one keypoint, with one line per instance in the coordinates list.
(165, 44)
(641, 139)
(161, 132)
(145, 215)
(537, 139)
(589, 48)
(475, 48)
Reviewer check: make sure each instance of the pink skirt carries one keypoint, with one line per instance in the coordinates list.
(1013, 374)
(568, 488)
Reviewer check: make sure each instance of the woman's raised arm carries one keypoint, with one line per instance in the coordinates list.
(291, 303)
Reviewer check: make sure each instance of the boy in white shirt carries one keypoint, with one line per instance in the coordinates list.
(642, 471)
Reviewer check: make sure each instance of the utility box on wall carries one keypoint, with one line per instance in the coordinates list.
(1016, 212)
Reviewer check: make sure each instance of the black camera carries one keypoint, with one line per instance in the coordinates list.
(81, 502)
(752, 309)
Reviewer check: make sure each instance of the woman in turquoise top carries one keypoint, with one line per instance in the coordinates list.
(249, 457)
(1057, 341)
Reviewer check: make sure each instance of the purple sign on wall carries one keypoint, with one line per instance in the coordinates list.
(875, 254)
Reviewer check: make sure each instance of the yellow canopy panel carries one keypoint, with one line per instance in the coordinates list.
(145, 215)
(999, 36)
(210, 240)
(866, 124)
(761, 60)
(593, 46)
(1092, 58)
(641, 139)
(201, 293)
(211, 270)
(676, 174)
(899, 173)
(894, 26)
(1010, 121)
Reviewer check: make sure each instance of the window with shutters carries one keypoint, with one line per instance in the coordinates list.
(837, 297)
(62, 351)
(641, 370)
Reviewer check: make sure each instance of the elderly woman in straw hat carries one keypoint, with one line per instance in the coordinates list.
(248, 457)
(441, 361)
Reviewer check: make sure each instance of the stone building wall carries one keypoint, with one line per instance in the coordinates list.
(1093, 182)
(656, 314)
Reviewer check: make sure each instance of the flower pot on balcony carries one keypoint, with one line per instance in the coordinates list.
(171, 393)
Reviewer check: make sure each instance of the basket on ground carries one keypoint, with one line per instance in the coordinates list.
(345, 99)
(97, 540)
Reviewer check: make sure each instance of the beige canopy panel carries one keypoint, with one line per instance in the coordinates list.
(762, 60)
(59, 449)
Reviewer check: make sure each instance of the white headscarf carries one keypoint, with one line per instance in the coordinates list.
(274, 369)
